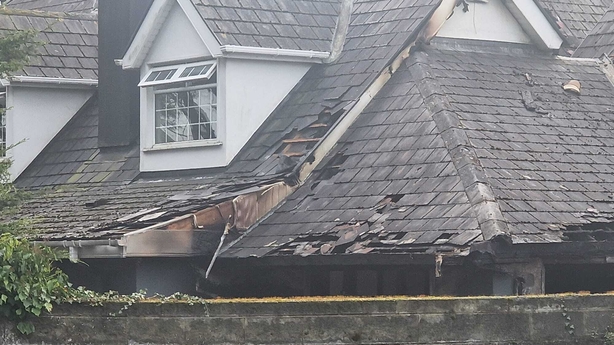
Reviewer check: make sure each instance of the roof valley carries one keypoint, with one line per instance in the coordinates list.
(466, 162)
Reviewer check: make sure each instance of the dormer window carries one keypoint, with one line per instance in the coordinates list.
(185, 102)
(186, 111)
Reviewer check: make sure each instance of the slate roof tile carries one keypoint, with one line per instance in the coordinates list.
(73, 6)
(64, 35)
(287, 24)
(600, 40)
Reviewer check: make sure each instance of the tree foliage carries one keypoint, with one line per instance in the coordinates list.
(29, 283)
(16, 48)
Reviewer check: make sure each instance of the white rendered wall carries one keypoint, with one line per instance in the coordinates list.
(253, 89)
(35, 115)
(248, 91)
(490, 21)
(177, 40)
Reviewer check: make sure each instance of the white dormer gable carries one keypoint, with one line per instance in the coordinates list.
(201, 102)
(169, 45)
(515, 21)
(489, 21)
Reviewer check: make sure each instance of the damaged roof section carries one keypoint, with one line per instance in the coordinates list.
(466, 142)
(390, 186)
(70, 47)
(123, 201)
(285, 24)
(378, 31)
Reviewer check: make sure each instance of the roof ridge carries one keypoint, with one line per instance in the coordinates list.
(466, 162)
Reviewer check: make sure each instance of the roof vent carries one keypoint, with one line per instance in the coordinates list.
(572, 86)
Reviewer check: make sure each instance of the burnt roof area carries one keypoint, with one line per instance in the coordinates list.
(467, 142)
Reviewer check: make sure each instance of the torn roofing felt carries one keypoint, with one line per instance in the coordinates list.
(467, 142)
(574, 18)
(70, 47)
(72, 6)
(79, 203)
(286, 24)
(600, 41)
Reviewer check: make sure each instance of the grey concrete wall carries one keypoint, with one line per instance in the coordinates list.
(557, 320)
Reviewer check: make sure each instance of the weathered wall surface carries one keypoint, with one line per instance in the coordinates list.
(557, 320)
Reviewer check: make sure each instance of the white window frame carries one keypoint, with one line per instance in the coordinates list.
(185, 143)
(175, 77)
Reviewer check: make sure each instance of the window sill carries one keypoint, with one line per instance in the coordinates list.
(183, 145)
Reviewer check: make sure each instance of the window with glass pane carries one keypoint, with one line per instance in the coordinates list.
(186, 115)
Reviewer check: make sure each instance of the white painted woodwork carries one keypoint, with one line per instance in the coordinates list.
(489, 21)
(177, 40)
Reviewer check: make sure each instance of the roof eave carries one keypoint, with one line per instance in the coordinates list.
(273, 54)
(52, 82)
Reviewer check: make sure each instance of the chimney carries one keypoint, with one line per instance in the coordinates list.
(118, 122)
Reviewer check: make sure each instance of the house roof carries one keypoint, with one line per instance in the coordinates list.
(575, 18)
(286, 24)
(466, 142)
(324, 94)
(73, 6)
(601, 39)
(70, 48)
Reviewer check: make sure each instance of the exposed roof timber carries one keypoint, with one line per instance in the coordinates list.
(188, 234)
(535, 23)
(53, 82)
(326, 144)
(273, 54)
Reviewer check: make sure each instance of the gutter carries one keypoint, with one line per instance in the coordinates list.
(290, 55)
(50, 81)
(78, 243)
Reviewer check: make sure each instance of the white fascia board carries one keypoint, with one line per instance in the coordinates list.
(290, 55)
(208, 37)
(535, 23)
(145, 36)
(53, 82)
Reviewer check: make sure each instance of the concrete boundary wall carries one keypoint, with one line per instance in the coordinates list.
(557, 320)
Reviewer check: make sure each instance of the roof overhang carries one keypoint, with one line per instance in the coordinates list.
(535, 23)
(193, 234)
(50, 82)
(289, 55)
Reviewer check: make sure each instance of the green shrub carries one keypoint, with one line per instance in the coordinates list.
(29, 283)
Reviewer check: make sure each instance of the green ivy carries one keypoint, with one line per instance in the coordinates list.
(29, 283)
